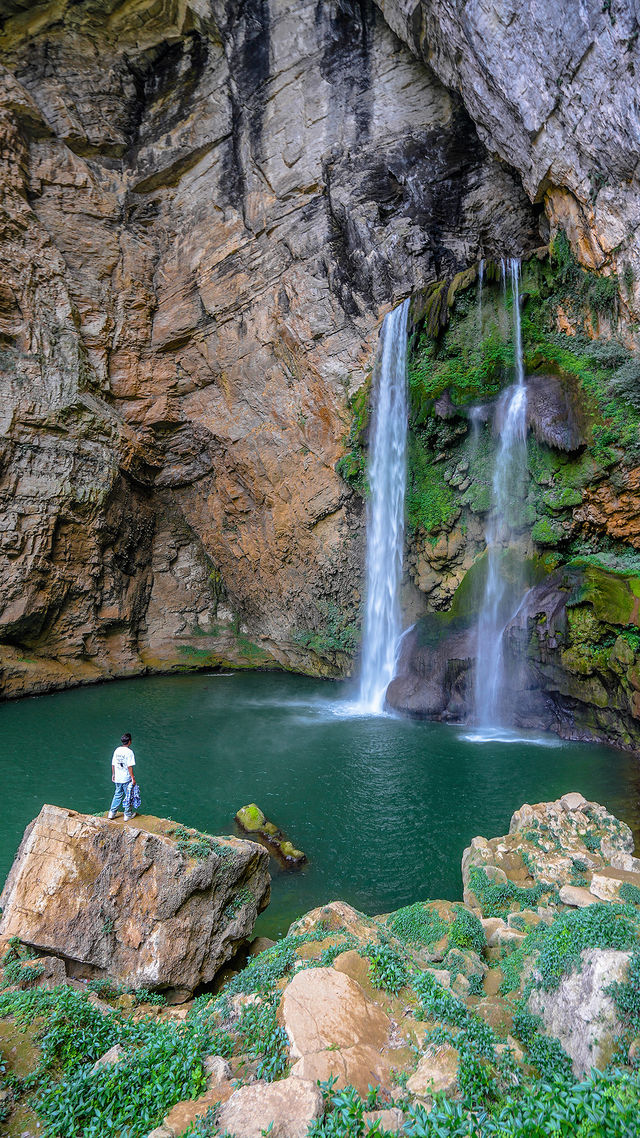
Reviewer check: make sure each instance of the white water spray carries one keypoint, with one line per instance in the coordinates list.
(510, 463)
(387, 474)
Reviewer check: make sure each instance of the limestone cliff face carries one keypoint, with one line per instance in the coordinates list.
(551, 90)
(205, 210)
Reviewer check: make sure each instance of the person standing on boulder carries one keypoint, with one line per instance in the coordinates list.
(122, 765)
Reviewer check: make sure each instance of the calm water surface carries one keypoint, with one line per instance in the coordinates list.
(383, 807)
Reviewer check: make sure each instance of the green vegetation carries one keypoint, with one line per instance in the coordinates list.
(337, 632)
(417, 925)
(352, 466)
(557, 947)
(496, 899)
(17, 967)
(387, 969)
(430, 502)
(111, 990)
(626, 997)
(198, 846)
(162, 1064)
(192, 843)
(629, 894)
(467, 931)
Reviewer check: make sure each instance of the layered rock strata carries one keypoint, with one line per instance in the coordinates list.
(551, 93)
(206, 211)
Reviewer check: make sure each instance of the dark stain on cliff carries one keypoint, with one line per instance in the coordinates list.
(346, 29)
(247, 44)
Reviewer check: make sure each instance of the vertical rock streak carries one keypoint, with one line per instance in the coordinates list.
(497, 603)
(385, 517)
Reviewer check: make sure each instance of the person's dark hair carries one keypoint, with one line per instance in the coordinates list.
(126, 738)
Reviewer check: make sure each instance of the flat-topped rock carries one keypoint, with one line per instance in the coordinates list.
(555, 853)
(134, 901)
(336, 1030)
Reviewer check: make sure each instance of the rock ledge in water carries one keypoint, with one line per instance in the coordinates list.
(128, 902)
(251, 819)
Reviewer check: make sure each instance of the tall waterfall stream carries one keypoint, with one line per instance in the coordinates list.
(387, 474)
(497, 606)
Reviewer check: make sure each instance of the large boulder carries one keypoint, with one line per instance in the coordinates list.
(335, 1029)
(133, 901)
(568, 852)
(581, 1013)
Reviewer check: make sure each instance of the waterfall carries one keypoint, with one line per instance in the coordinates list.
(502, 596)
(387, 472)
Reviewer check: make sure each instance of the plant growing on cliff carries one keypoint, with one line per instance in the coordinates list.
(352, 466)
(387, 969)
(417, 924)
(336, 634)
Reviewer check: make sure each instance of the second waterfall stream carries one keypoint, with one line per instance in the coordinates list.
(387, 475)
(501, 595)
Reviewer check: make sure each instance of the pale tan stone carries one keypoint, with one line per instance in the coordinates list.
(217, 1069)
(334, 1028)
(573, 801)
(391, 1119)
(577, 896)
(436, 1071)
(289, 1106)
(321, 1008)
(110, 1058)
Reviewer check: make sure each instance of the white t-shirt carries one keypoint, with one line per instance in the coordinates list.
(123, 758)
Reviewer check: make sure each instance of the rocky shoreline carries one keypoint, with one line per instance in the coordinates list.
(481, 1013)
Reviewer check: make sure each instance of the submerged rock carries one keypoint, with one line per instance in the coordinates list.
(251, 819)
(129, 902)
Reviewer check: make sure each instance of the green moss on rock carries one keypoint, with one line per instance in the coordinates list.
(548, 532)
(251, 818)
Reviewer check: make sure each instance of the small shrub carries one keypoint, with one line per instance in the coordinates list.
(15, 967)
(467, 931)
(417, 924)
(387, 970)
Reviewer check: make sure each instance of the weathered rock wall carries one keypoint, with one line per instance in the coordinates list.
(206, 209)
(549, 87)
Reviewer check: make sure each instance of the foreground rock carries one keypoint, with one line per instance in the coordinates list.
(131, 901)
(418, 1003)
(568, 852)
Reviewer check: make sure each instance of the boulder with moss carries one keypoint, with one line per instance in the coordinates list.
(552, 846)
(251, 819)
